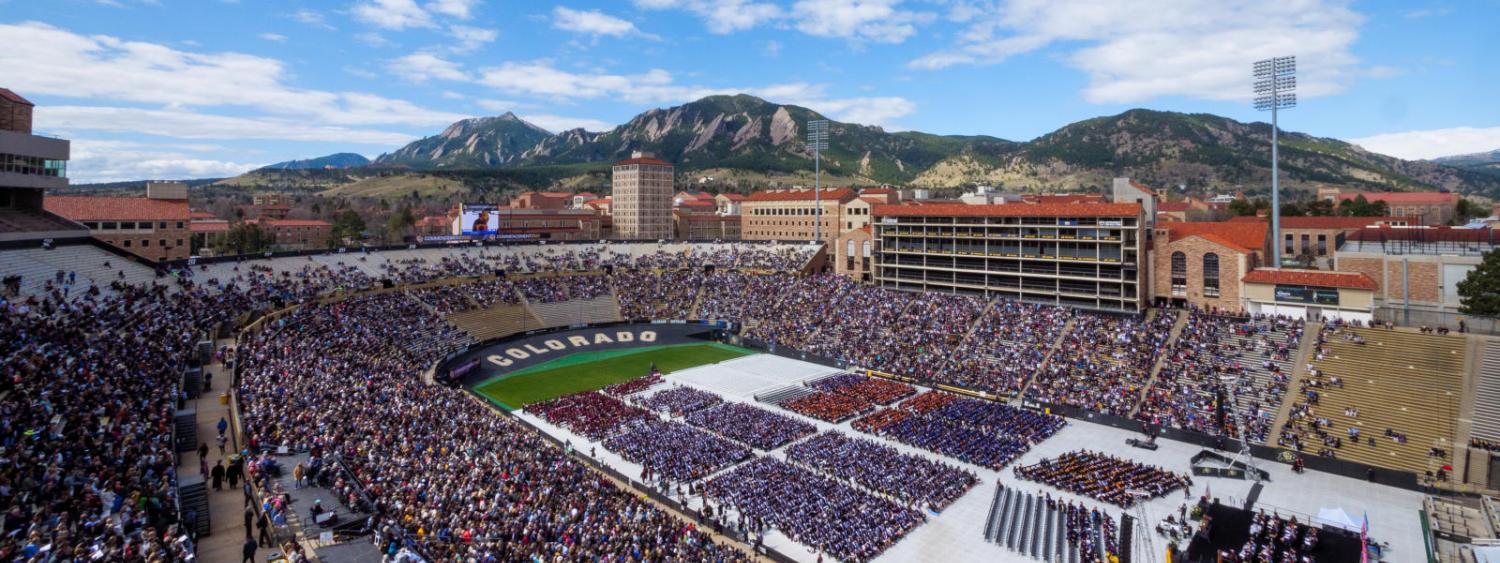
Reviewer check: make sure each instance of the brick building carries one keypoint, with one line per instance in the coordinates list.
(1416, 269)
(542, 200)
(296, 234)
(642, 198)
(154, 227)
(1420, 208)
(854, 253)
(791, 215)
(1313, 241)
(1201, 264)
(710, 226)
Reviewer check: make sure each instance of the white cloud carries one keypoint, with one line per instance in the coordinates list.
(182, 124)
(117, 161)
(563, 123)
(594, 22)
(868, 20)
(451, 95)
(722, 16)
(46, 60)
(461, 9)
(1194, 48)
(277, 37)
(392, 14)
(470, 38)
(772, 48)
(1433, 143)
(312, 18)
(420, 67)
(372, 39)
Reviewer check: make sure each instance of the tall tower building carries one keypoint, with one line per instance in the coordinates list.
(642, 198)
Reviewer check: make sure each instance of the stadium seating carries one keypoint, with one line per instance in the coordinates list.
(1403, 382)
(563, 313)
(498, 321)
(37, 266)
(1230, 353)
(1487, 400)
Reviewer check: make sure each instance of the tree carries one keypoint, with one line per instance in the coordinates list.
(400, 221)
(1479, 292)
(1292, 209)
(1361, 207)
(1242, 207)
(243, 238)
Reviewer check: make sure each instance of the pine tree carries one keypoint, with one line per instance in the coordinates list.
(1479, 293)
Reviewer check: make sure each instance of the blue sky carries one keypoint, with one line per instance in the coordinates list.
(198, 88)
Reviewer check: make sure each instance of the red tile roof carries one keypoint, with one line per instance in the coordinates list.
(212, 226)
(1070, 198)
(733, 197)
(1224, 242)
(1250, 236)
(887, 191)
(1351, 280)
(1404, 197)
(13, 97)
(631, 161)
(88, 208)
(202, 215)
(1011, 210)
(804, 195)
(1174, 206)
(295, 222)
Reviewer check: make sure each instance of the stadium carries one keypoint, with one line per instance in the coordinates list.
(702, 402)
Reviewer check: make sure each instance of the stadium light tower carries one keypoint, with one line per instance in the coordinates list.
(817, 140)
(1275, 89)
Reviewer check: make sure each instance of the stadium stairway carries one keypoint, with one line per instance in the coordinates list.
(1487, 398)
(1161, 359)
(1306, 350)
(1051, 351)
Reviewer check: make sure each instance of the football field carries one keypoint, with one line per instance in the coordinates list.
(586, 371)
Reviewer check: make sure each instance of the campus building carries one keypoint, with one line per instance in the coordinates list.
(155, 227)
(1418, 208)
(1310, 294)
(30, 165)
(1201, 263)
(642, 198)
(1416, 270)
(1088, 255)
(792, 214)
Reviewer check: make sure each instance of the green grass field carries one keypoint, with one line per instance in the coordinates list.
(587, 371)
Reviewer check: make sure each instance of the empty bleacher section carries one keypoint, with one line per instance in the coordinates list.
(1400, 393)
(603, 309)
(91, 267)
(1049, 529)
(1487, 399)
(497, 321)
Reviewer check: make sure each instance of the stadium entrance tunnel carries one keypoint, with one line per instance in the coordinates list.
(487, 361)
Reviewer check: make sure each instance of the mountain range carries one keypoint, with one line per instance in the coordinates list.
(339, 160)
(722, 135)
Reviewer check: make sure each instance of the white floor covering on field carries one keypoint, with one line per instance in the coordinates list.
(957, 534)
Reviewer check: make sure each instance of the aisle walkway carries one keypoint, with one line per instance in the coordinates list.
(226, 507)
